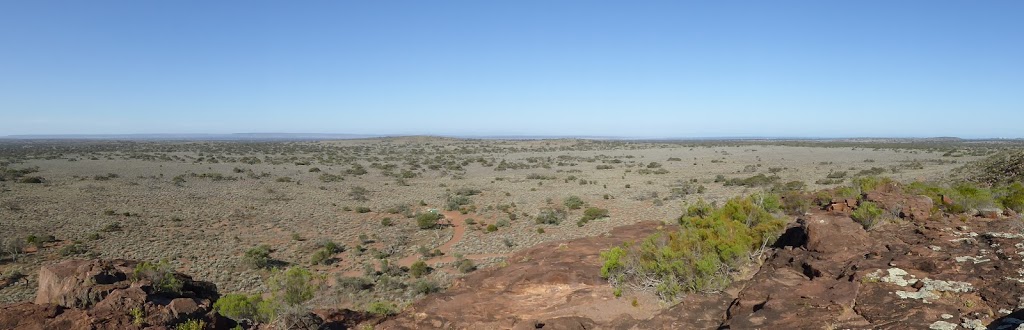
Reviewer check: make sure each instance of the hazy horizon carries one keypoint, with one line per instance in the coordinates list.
(747, 69)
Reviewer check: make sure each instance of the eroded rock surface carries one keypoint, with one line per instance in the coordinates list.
(99, 294)
(931, 272)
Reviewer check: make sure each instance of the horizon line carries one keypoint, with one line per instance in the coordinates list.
(349, 136)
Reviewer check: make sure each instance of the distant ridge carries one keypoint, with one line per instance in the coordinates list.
(340, 136)
(188, 137)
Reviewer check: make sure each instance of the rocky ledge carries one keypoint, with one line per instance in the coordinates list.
(921, 271)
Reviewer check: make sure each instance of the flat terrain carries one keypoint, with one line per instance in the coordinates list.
(202, 205)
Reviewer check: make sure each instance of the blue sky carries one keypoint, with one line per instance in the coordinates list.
(625, 68)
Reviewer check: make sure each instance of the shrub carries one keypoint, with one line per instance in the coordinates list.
(698, 256)
(795, 203)
(258, 257)
(327, 177)
(112, 227)
(754, 181)
(161, 274)
(359, 194)
(243, 307)
(455, 201)
(870, 183)
(836, 175)
(191, 324)
(293, 286)
(363, 209)
(867, 214)
(418, 269)
(32, 179)
(428, 220)
(466, 266)
(75, 248)
(322, 256)
(550, 216)
(386, 222)
(573, 202)
(1012, 197)
(382, 308)
(967, 196)
(39, 241)
(847, 193)
(593, 213)
(424, 286)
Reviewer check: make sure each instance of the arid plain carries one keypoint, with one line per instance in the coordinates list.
(202, 205)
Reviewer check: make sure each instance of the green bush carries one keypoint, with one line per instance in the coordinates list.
(466, 266)
(161, 274)
(795, 203)
(382, 308)
(1012, 197)
(418, 269)
(322, 256)
(758, 180)
(423, 286)
(967, 196)
(847, 192)
(573, 202)
(191, 324)
(698, 256)
(244, 307)
(75, 248)
(867, 214)
(258, 257)
(293, 286)
(454, 202)
(870, 183)
(428, 220)
(593, 213)
(550, 216)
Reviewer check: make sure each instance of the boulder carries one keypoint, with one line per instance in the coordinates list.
(99, 294)
(912, 207)
(81, 283)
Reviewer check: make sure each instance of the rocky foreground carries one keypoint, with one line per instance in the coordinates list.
(922, 271)
(102, 294)
(826, 272)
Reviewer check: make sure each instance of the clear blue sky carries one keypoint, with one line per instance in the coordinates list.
(625, 68)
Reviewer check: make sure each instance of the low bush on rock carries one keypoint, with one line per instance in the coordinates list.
(868, 214)
(701, 254)
(161, 274)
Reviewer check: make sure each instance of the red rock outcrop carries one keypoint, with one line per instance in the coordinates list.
(826, 271)
(918, 208)
(99, 294)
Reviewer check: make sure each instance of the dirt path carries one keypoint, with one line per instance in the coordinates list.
(458, 223)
